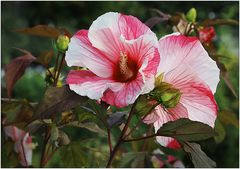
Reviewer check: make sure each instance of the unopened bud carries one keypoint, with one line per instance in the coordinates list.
(62, 42)
(191, 15)
(166, 95)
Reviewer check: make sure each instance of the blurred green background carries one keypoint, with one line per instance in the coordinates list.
(79, 15)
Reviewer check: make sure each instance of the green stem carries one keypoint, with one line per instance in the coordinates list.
(59, 70)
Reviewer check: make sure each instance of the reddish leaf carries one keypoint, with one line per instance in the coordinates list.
(40, 30)
(45, 57)
(151, 22)
(16, 69)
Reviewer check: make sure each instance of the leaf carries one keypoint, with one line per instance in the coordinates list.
(186, 130)
(40, 30)
(116, 118)
(221, 133)
(45, 57)
(89, 126)
(56, 100)
(16, 111)
(199, 158)
(151, 22)
(228, 118)
(73, 155)
(133, 160)
(16, 68)
(63, 139)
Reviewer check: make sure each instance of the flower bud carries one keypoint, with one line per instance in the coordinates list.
(166, 95)
(191, 15)
(207, 34)
(173, 101)
(62, 42)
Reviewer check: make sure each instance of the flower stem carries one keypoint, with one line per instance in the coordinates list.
(109, 140)
(120, 140)
(59, 70)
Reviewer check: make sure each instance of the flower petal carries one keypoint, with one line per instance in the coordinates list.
(131, 27)
(196, 95)
(86, 83)
(165, 116)
(81, 53)
(126, 95)
(104, 35)
(176, 50)
(14, 133)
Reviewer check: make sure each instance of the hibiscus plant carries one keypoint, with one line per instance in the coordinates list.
(149, 100)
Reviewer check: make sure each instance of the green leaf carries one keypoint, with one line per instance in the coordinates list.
(89, 126)
(133, 160)
(186, 130)
(16, 68)
(228, 118)
(198, 157)
(73, 155)
(221, 133)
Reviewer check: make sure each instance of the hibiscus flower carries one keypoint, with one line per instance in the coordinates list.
(121, 57)
(22, 144)
(186, 66)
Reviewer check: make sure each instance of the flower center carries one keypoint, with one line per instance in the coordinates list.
(126, 69)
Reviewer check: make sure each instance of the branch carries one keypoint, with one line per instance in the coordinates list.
(120, 140)
(141, 138)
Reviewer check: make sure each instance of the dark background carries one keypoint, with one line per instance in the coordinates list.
(80, 15)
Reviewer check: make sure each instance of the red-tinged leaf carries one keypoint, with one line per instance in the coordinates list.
(40, 30)
(151, 22)
(45, 57)
(16, 68)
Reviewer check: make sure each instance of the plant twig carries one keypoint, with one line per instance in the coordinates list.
(120, 140)
(46, 138)
(141, 138)
(109, 140)
(56, 67)
(140, 121)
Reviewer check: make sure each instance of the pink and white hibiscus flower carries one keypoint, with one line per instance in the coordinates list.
(121, 57)
(22, 144)
(188, 68)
